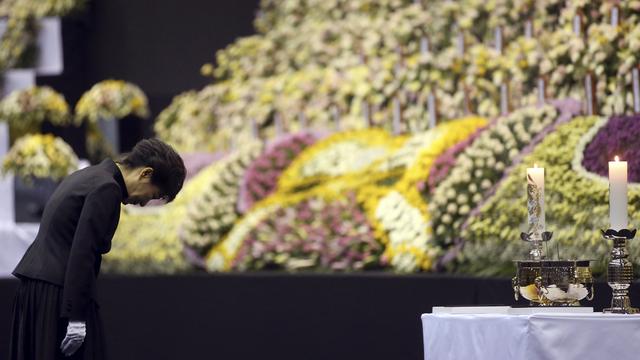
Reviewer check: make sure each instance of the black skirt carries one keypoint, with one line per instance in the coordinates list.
(37, 330)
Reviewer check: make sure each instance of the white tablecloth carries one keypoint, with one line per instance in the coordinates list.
(532, 337)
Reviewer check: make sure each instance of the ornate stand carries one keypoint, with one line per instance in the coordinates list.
(536, 252)
(620, 271)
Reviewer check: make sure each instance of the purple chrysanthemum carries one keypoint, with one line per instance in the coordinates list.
(443, 163)
(315, 234)
(261, 177)
(620, 136)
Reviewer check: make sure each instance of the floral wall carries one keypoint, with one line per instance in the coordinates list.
(393, 135)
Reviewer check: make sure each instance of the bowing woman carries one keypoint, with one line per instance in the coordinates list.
(55, 315)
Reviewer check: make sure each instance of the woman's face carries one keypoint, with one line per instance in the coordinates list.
(141, 189)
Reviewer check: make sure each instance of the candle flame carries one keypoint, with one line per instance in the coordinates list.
(617, 158)
(535, 166)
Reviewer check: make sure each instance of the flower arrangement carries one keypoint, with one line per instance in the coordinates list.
(443, 163)
(355, 59)
(314, 234)
(406, 155)
(17, 42)
(603, 60)
(617, 137)
(366, 55)
(40, 8)
(448, 134)
(111, 99)
(213, 214)
(576, 208)
(6, 6)
(522, 57)
(344, 62)
(619, 98)
(40, 156)
(589, 12)
(337, 155)
(221, 256)
(261, 177)
(601, 53)
(546, 16)
(187, 124)
(408, 244)
(480, 166)
(402, 213)
(25, 110)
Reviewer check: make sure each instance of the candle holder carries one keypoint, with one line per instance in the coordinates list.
(553, 282)
(620, 271)
(535, 239)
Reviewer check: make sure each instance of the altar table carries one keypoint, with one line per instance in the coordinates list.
(594, 336)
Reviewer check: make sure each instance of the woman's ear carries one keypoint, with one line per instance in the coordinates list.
(146, 173)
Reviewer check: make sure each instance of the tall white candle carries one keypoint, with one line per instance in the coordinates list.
(614, 16)
(433, 114)
(541, 90)
(335, 113)
(504, 99)
(255, 133)
(366, 113)
(460, 43)
(498, 41)
(577, 25)
(424, 45)
(278, 123)
(303, 121)
(618, 194)
(528, 29)
(397, 115)
(636, 90)
(588, 87)
(535, 200)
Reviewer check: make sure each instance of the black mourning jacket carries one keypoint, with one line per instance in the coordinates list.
(77, 225)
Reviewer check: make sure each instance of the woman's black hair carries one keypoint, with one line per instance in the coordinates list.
(168, 168)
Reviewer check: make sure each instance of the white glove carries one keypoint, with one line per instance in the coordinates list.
(76, 332)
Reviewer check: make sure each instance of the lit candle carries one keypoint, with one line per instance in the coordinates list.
(535, 200)
(618, 194)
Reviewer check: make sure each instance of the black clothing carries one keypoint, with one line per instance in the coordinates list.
(37, 328)
(78, 223)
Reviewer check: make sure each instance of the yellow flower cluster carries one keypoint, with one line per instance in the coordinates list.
(341, 154)
(399, 213)
(27, 109)
(40, 156)
(449, 134)
(22, 26)
(196, 124)
(111, 99)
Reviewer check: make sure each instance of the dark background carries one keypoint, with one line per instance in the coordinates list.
(280, 316)
(158, 45)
